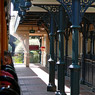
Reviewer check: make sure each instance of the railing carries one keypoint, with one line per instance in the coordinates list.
(89, 71)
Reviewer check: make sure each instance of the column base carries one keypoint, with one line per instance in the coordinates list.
(27, 65)
(75, 79)
(59, 93)
(51, 87)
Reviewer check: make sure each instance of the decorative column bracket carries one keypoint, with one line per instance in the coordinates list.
(84, 4)
(46, 19)
(49, 7)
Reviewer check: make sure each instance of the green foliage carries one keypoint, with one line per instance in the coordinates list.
(18, 58)
(34, 57)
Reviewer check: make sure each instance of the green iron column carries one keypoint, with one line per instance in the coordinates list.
(60, 63)
(83, 53)
(74, 67)
(51, 86)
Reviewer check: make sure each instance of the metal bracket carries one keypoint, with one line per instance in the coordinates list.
(50, 8)
(46, 20)
(84, 4)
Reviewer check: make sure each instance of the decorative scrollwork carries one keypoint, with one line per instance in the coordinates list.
(67, 1)
(49, 8)
(84, 4)
(67, 5)
(85, 1)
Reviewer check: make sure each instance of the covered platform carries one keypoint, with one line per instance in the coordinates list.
(66, 34)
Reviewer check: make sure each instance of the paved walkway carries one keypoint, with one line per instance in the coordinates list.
(34, 80)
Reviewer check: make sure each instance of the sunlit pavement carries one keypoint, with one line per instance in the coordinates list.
(34, 80)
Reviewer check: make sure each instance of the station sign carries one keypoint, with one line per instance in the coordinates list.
(33, 47)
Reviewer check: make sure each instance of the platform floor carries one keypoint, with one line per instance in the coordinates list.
(34, 80)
